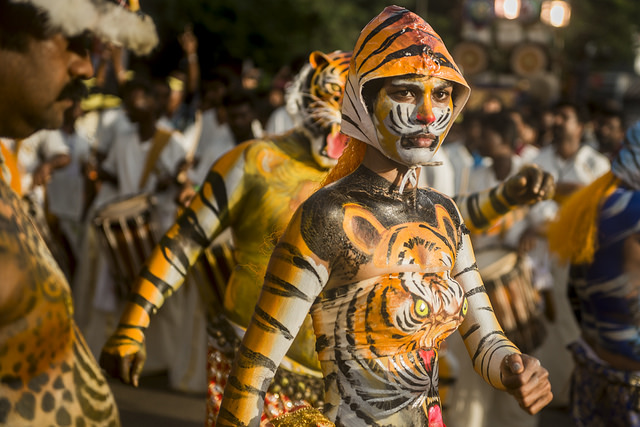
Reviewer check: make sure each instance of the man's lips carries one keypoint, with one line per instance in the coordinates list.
(423, 140)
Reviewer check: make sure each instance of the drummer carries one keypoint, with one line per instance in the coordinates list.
(142, 159)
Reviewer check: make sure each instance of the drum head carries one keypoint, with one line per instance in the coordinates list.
(494, 263)
(128, 207)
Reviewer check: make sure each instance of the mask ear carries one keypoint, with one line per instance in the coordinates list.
(317, 59)
(362, 228)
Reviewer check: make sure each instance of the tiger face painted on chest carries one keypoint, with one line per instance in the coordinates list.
(380, 334)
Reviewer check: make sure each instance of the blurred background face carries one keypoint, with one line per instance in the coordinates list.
(491, 143)
(610, 133)
(240, 117)
(566, 125)
(213, 92)
(140, 106)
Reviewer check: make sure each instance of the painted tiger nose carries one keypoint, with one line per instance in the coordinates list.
(425, 118)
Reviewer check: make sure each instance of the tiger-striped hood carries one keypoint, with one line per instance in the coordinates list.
(395, 43)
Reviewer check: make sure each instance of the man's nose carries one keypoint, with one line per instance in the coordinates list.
(425, 115)
(81, 66)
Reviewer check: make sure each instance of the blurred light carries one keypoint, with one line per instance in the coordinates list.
(556, 13)
(509, 9)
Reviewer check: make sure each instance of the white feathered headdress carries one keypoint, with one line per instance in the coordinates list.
(119, 22)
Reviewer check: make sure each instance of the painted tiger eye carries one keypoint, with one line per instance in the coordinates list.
(465, 307)
(422, 308)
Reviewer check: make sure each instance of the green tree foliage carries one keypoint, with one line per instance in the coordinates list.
(273, 33)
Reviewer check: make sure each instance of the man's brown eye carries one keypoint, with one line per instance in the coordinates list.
(81, 44)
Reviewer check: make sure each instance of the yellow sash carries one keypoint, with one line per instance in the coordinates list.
(160, 140)
(11, 161)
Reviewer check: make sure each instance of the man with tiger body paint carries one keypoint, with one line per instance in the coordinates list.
(254, 190)
(385, 269)
(48, 376)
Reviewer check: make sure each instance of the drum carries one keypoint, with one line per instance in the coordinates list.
(212, 271)
(128, 232)
(516, 303)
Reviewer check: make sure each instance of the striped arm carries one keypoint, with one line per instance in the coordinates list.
(486, 343)
(481, 210)
(293, 280)
(166, 269)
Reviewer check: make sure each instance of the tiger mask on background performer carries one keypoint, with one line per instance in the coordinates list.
(385, 268)
(253, 190)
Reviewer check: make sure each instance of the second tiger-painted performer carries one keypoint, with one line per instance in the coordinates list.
(386, 269)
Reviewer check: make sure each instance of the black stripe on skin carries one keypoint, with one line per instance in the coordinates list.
(225, 415)
(322, 342)
(472, 267)
(274, 324)
(392, 240)
(384, 312)
(471, 330)
(388, 22)
(475, 214)
(173, 252)
(160, 284)
(509, 200)
(477, 290)
(251, 359)
(488, 356)
(246, 388)
(83, 357)
(496, 203)
(145, 304)
(191, 229)
(367, 324)
(219, 191)
(299, 261)
(349, 315)
(288, 290)
(441, 237)
(482, 343)
(125, 338)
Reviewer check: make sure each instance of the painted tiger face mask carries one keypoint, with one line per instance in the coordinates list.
(411, 113)
(404, 90)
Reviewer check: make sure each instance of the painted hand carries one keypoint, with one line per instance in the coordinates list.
(526, 381)
(123, 357)
(530, 185)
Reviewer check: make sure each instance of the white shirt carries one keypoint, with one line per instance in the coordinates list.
(66, 188)
(441, 177)
(584, 167)
(39, 147)
(215, 140)
(279, 121)
(461, 163)
(111, 122)
(127, 159)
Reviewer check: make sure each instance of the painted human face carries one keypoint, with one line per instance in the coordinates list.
(410, 114)
(33, 83)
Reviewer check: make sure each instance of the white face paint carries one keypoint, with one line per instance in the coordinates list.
(410, 114)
